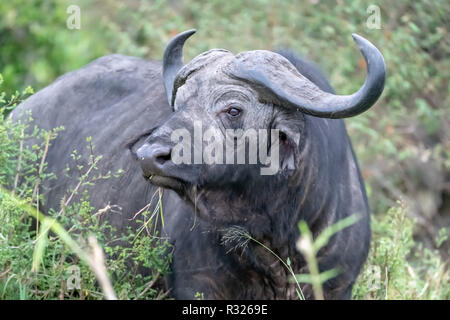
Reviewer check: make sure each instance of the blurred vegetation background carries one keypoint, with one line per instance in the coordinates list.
(403, 143)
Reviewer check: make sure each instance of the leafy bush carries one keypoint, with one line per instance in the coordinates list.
(399, 267)
(36, 46)
(36, 264)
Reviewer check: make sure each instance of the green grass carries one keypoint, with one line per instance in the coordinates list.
(399, 267)
(36, 258)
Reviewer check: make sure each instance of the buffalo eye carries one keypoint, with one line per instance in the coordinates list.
(233, 112)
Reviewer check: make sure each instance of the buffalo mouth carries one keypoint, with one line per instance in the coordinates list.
(167, 182)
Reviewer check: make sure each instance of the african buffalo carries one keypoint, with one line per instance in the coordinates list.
(116, 98)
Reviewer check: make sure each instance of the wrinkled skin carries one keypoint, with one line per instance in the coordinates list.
(117, 98)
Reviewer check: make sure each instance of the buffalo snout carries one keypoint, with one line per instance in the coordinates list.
(154, 158)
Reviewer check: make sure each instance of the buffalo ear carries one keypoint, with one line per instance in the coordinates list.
(287, 152)
(288, 146)
(291, 126)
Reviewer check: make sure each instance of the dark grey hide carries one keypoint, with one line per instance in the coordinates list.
(121, 101)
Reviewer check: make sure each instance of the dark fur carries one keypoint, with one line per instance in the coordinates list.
(118, 100)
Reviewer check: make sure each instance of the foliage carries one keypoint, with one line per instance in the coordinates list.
(399, 267)
(35, 263)
(310, 247)
(36, 46)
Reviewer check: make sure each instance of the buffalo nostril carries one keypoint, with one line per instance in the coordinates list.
(153, 158)
(163, 157)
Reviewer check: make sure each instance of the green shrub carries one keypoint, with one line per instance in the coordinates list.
(398, 267)
(35, 263)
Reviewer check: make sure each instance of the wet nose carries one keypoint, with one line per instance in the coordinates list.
(152, 158)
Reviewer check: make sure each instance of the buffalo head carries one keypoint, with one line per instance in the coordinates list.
(239, 120)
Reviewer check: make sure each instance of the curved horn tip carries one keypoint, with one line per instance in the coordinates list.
(173, 60)
(177, 41)
(190, 31)
(357, 37)
(184, 35)
(361, 41)
(365, 44)
(370, 52)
